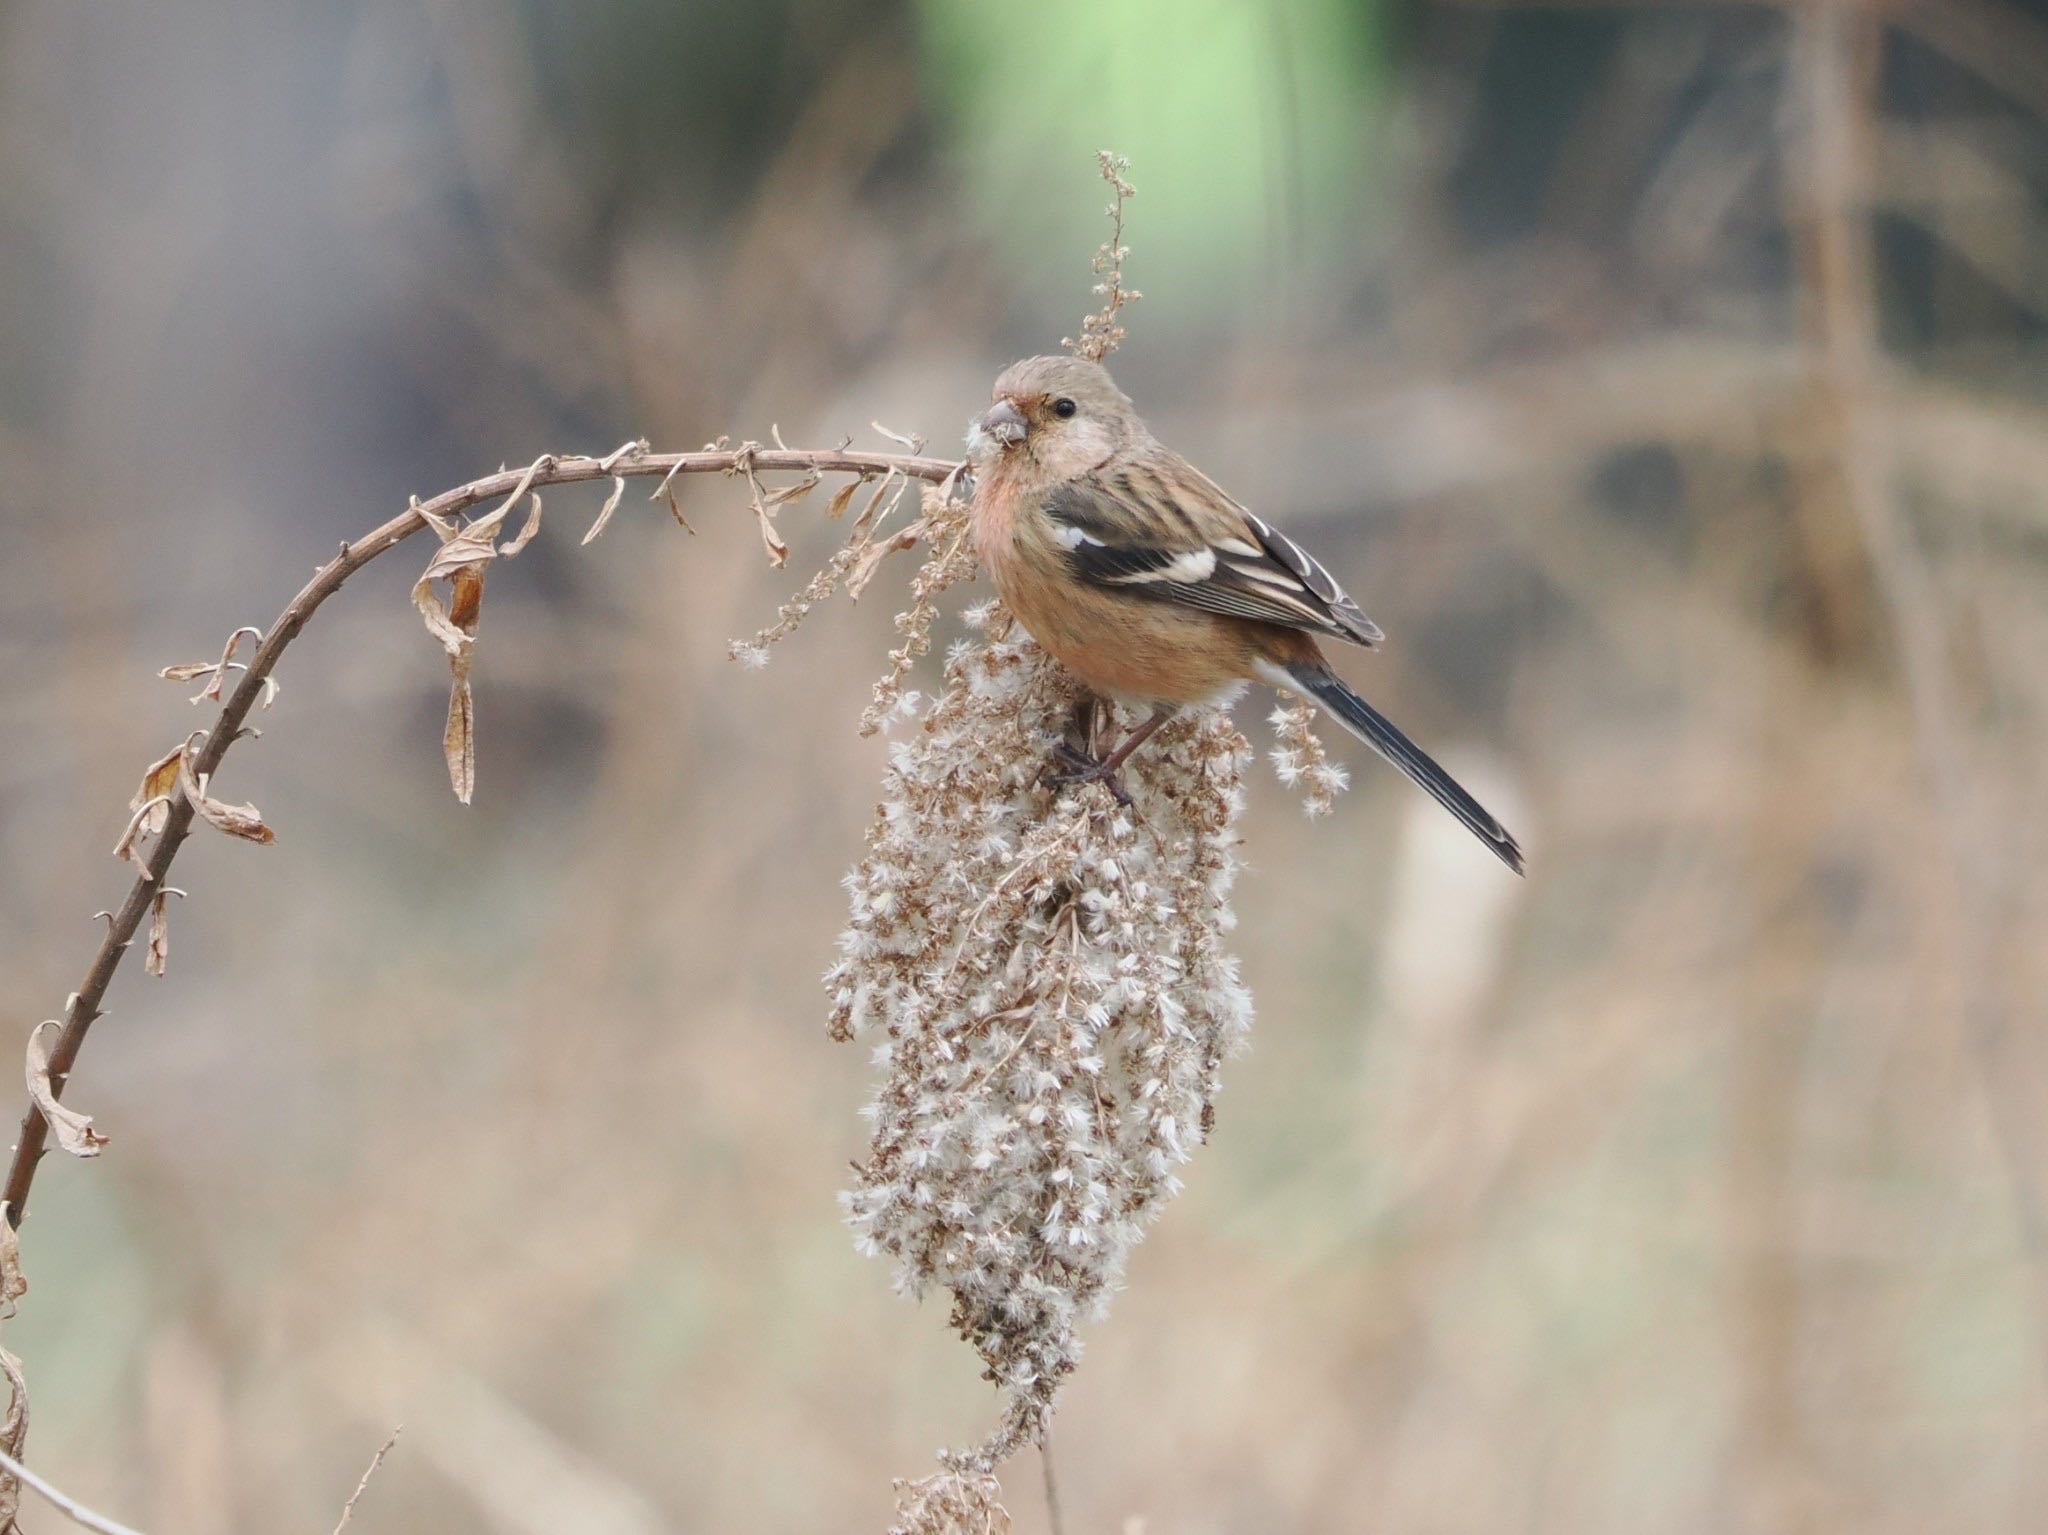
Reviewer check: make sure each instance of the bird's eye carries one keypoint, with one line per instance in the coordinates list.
(1063, 408)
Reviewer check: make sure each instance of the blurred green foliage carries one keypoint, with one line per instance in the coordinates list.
(1250, 130)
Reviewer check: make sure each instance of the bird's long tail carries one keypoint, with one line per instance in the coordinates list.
(1384, 737)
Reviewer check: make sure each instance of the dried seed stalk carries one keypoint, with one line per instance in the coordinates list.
(1300, 761)
(1047, 977)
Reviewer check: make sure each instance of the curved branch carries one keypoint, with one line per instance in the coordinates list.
(633, 463)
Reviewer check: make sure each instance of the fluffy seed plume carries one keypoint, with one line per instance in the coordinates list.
(1300, 762)
(1046, 979)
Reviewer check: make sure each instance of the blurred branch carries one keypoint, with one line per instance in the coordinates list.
(634, 462)
(69, 1506)
(2002, 44)
(1837, 57)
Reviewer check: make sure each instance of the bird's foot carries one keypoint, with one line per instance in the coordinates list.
(1073, 766)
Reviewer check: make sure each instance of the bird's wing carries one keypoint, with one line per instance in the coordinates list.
(1159, 528)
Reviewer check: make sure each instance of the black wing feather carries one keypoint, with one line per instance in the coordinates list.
(1267, 578)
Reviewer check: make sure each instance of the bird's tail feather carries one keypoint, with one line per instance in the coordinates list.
(1384, 737)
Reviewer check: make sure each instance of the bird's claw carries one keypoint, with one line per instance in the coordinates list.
(1077, 767)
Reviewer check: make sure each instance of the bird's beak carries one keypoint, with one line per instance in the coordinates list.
(1004, 422)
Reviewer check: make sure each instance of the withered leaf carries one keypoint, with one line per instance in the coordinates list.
(842, 498)
(611, 504)
(244, 821)
(910, 442)
(458, 736)
(73, 1130)
(466, 597)
(778, 551)
(13, 1438)
(461, 550)
(868, 513)
(487, 525)
(460, 561)
(159, 951)
(13, 1283)
(215, 672)
(789, 495)
(873, 554)
(157, 782)
(526, 532)
(149, 808)
(764, 516)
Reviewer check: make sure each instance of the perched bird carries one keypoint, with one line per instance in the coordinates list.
(1149, 583)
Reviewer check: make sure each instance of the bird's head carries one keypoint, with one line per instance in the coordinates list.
(1065, 415)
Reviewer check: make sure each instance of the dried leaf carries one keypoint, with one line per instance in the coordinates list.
(611, 504)
(458, 736)
(13, 1438)
(452, 639)
(214, 671)
(870, 512)
(466, 597)
(157, 783)
(73, 1130)
(488, 525)
(778, 551)
(244, 821)
(461, 550)
(460, 561)
(444, 529)
(789, 495)
(525, 534)
(159, 951)
(148, 811)
(13, 1283)
(872, 556)
(764, 513)
(911, 442)
(842, 498)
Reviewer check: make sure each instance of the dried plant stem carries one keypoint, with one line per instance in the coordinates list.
(63, 1502)
(84, 1006)
(1054, 1519)
(348, 1509)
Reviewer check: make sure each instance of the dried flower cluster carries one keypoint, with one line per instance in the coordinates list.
(941, 527)
(950, 1503)
(1300, 761)
(1046, 977)
(1101, 332)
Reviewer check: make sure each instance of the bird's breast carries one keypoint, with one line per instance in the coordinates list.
(1122, 646)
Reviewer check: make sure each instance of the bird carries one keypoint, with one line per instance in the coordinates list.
(1149, 583)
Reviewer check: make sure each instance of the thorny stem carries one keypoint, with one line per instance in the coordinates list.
(84, 1007)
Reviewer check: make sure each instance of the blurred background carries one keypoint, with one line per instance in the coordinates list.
(1671, 383)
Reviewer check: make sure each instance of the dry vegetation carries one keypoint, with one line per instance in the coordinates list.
(1696, 1186)
(1047, 966)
